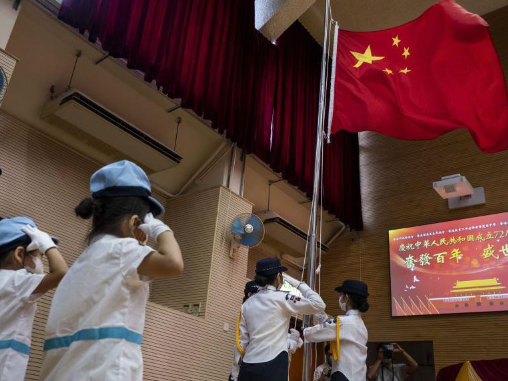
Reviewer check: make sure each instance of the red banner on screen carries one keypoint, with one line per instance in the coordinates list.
(450, 267)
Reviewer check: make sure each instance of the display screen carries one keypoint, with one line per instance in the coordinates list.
(451, 267)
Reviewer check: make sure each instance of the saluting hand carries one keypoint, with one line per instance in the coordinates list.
(292, 281)
(40, 240)
(153, 227)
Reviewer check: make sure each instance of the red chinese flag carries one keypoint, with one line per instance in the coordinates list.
(422, 79)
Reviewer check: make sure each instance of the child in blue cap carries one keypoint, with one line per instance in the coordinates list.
(22, 282)
(96, 321)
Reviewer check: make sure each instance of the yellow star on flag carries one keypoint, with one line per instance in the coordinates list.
(396, 41)
(406, 52)
(388, 71)
(405, 71)
(366, 57)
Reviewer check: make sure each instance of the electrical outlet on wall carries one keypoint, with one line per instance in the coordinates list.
(192, 308)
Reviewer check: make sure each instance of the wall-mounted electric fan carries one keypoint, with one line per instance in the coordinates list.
(4, 82)
(247, 230)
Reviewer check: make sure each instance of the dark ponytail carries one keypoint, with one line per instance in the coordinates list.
(359, 302)
(110, 213)
(263, 281)
(86, 208)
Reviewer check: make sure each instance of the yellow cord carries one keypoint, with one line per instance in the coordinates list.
(238, 346)
(335, 346)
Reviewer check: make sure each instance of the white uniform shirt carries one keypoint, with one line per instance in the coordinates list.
(97, 317)
(265, 321)
(353, 343)
(235, 369)
(17, 311)
(397, 373)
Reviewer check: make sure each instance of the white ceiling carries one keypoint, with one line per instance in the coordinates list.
(369, 15)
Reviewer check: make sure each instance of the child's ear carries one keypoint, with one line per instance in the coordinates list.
(19, 255)
(137, 233)
(134, 221)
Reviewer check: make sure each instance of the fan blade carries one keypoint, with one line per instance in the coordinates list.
(237, 228)
(250, 240)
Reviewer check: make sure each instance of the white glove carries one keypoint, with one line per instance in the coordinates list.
(292, 281)
(153, 227)
(294, 334)
(293, 341)
(320, 317)
(40, 240)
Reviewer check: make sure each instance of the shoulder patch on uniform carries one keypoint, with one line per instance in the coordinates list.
(292, 298)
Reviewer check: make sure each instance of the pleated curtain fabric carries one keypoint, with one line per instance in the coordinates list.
(263, 96)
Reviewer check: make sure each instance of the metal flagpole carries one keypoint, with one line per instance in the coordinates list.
(307, 361)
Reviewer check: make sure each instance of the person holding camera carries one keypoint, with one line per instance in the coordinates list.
(324, 371)
(385, 370)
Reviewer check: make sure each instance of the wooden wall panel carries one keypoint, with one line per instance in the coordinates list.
(45, 180)
(498, 22)
(396, 183)
(7, 63)
(192, 217)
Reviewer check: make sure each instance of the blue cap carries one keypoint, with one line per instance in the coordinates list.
(12, 234)
(122, 179)
(269, 267)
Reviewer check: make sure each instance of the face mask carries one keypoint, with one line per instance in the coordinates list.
(342, 304)
(39, 267)
(387, 361)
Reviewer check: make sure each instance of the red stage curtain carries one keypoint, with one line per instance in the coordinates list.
(294, 132)
(449, 373)
(208, 54)
(204, 52)
(491, 370)
(487, 370)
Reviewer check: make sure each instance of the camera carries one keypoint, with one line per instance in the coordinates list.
(387, 350)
